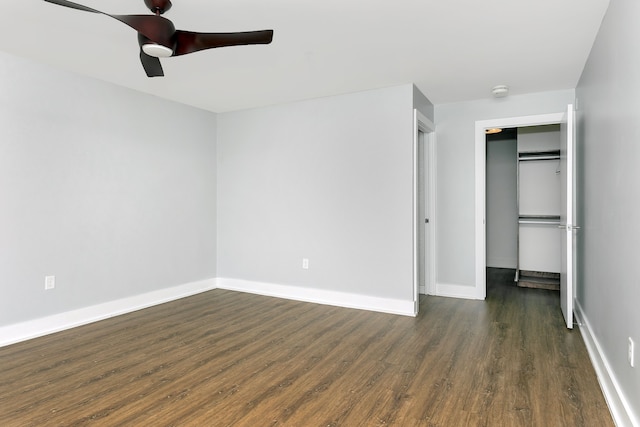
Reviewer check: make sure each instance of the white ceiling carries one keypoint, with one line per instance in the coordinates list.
(453, 50)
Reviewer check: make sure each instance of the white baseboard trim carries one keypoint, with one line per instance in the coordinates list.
(320, 296)
(457, 291)
(23, 331)
(621, 410)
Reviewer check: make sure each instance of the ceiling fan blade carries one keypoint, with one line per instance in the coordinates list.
(188, 42)
(73, 5)
(151, 65)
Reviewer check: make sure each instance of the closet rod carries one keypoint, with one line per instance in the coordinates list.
(528, 159)
(538, 222)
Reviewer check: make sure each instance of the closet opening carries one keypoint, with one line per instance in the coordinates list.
(523, 204)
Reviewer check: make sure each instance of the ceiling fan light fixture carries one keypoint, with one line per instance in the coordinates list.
(157, 50)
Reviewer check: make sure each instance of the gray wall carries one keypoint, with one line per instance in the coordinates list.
(501, 207)
(609, 158)
(456, 173)
(327, 179)
(110, 190)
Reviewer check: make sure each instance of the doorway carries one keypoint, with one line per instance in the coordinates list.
(480, 183)
(523, 204)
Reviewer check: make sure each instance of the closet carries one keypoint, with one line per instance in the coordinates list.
(523, 204)
(538, 207)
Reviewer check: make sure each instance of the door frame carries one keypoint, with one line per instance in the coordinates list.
(480, 181)
(421, 124)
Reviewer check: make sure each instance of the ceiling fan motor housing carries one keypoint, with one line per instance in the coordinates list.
(158, 6)
(157, 30)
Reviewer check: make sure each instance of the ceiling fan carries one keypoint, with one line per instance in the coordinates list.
(158, 38)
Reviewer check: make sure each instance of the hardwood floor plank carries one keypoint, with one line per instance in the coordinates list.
(230, 359)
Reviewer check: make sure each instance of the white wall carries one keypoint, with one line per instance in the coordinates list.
(609, 158)
(110, 190)
(502, 212)
(539, 138)
(327, 179)
(456, 174)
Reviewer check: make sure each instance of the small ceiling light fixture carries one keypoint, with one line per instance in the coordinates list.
(157, 50)
(500, 91)
(492, 131)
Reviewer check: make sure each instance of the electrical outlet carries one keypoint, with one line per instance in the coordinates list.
(631, 354)
(49, 282)
(305, 263)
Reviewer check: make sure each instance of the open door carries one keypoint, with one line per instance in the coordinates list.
(423, 205)
(568, 214)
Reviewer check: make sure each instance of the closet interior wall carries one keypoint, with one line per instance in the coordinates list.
(501, 195)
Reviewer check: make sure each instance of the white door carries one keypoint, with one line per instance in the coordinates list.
(423, 205)
(424, 226)
(568, 214)
(428, 236)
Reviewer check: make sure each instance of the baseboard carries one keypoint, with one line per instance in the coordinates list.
(320, 296)
(23, 331)
(621, 410)
(457, 291)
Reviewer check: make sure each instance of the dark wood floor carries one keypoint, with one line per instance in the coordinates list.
(224, 358)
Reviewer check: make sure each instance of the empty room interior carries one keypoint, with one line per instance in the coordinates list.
(322, 214)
